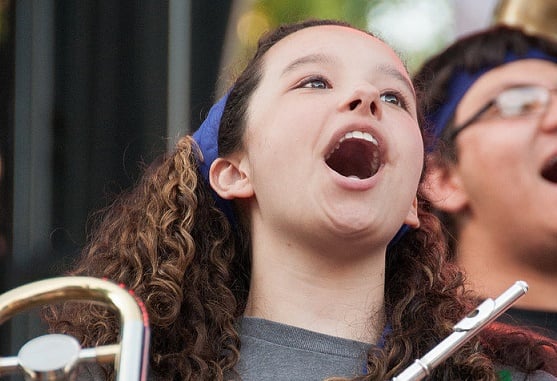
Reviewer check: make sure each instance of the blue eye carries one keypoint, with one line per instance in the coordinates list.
(393, 98)
(315, 83)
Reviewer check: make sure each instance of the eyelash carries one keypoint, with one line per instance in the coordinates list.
(400, 96)
(305, 82)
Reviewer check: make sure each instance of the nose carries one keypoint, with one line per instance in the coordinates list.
(364, 99)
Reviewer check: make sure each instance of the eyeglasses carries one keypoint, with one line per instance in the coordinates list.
(520, 101)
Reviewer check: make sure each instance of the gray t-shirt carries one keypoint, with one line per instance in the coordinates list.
(272, 351)
(275, 352)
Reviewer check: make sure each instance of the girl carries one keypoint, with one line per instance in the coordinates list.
(261, 247)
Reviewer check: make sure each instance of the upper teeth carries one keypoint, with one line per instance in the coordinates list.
(354, 135)
(358, 135)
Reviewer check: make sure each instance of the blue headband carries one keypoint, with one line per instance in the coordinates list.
(206, 138)
(462, 80)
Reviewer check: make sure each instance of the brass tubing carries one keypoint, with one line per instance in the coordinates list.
(130, 354)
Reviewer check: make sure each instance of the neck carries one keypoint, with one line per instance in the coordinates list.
(335, 293)
(493, 265)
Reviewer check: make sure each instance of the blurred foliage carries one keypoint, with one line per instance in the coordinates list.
(4, 26)
(265, 15)
(353, 11)
(260, 16)
(416, 29)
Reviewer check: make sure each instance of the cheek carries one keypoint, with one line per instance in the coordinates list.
(492, 164)
(418, 160)
(497, 149)
(413, 145)
(269, 149)
(282, 136)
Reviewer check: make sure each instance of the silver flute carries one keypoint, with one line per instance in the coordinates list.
(464, 330)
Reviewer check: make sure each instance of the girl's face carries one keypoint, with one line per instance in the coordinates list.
(332, 145)
(508, 166)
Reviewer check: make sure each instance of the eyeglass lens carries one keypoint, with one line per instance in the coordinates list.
(516, 101)
(524, 100)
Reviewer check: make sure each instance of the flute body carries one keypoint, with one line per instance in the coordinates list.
(464, 330)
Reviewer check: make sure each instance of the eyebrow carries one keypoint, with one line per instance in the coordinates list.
(396, 74)
(326, 59)
(309, 59)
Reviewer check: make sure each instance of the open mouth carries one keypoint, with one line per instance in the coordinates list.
(549, 170)
(356, 155)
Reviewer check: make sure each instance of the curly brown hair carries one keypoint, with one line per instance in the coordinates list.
(166, 240)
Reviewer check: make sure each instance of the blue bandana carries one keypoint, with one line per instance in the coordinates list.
(206, 138)
(462, 80)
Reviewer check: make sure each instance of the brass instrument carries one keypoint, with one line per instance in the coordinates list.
(534, 16)
(55, 357)
(464, 330)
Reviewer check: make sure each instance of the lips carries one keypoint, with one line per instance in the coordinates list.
(356, 155)
(549, 170)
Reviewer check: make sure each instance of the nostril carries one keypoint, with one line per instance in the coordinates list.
(355, 104)
(373, 108)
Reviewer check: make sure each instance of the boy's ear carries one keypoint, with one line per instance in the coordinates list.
(229, 180)
(412, 219)
(444, 189)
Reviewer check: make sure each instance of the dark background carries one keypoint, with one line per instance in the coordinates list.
(83, 92)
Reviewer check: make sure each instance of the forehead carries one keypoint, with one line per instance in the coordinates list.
(490, 84)
(347, 44)
(521, 72)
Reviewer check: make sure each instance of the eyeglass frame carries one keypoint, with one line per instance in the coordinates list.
(474, 118)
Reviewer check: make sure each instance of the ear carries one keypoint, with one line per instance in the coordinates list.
(412, 219)
(444, 189)
(229, 180)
